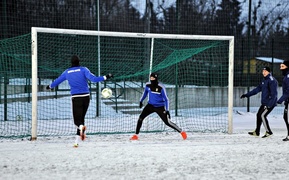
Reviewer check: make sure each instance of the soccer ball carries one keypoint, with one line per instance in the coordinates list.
(106, 93)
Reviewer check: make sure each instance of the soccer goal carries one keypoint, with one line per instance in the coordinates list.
(196, 70)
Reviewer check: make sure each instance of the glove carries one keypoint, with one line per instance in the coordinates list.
(48, 87)
(168, 114)
(140, 104)
(243, 96)
(108, 76)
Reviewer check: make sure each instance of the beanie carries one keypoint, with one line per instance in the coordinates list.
(286, 63)
(267, 69)
(74, 60)
(154, 75)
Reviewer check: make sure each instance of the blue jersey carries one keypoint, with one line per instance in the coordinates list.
(268, 87)
(77, 79)
(157, 95)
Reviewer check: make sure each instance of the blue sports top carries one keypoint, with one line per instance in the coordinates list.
(157, 95)
(77, 79)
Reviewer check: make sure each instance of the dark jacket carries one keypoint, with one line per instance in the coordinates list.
(268, 87)
(285, 89)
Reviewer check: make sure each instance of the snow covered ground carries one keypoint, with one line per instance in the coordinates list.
(154, 156)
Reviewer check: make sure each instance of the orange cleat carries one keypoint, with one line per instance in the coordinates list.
(184, 135)
(82, 135)
(134, 137)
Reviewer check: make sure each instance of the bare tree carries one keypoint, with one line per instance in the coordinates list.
(266, 23)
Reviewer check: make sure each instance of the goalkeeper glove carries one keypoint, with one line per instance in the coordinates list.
(243, 96)
(48, 87)
(108, 76)
(140, 104)
(168, 114)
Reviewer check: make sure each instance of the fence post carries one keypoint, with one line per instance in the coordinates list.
(6, 82)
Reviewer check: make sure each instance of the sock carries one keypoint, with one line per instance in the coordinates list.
(77, 139)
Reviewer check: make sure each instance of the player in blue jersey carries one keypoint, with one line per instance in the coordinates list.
(158, 102)
(268, 87)
(77, 77)
(284, 67)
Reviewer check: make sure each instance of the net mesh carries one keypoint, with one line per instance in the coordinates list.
(195, 73)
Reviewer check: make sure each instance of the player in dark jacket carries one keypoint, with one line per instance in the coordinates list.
(268, 87)
(77, 77)
(157, 102)
(284, 67)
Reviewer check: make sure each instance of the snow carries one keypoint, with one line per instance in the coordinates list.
(155, 155)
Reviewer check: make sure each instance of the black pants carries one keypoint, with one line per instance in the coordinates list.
(262, 118)
(79, 109)
(149, 109)
(285, 117)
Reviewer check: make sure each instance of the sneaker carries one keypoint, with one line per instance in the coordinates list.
(184, 135)
(267, 134)
(286, 138)
(75, 145)
(82, 130)
(134, 137)
(253, 133)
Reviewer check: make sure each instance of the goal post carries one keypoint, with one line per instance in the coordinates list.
(34, 80)
(189, 66)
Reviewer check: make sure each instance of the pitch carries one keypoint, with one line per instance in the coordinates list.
(153, 156)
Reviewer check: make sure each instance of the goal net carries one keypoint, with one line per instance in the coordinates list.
(197, 72)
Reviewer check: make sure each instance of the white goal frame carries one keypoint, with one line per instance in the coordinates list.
(34, 59)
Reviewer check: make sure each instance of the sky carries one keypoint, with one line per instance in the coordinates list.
(265, 9)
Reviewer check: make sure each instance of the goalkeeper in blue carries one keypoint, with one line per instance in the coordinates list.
(77, 77)
(158, 102)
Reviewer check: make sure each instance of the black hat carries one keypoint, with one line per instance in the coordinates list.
(74, 60)
(154, 75)
(267, 69)
(286, 63)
